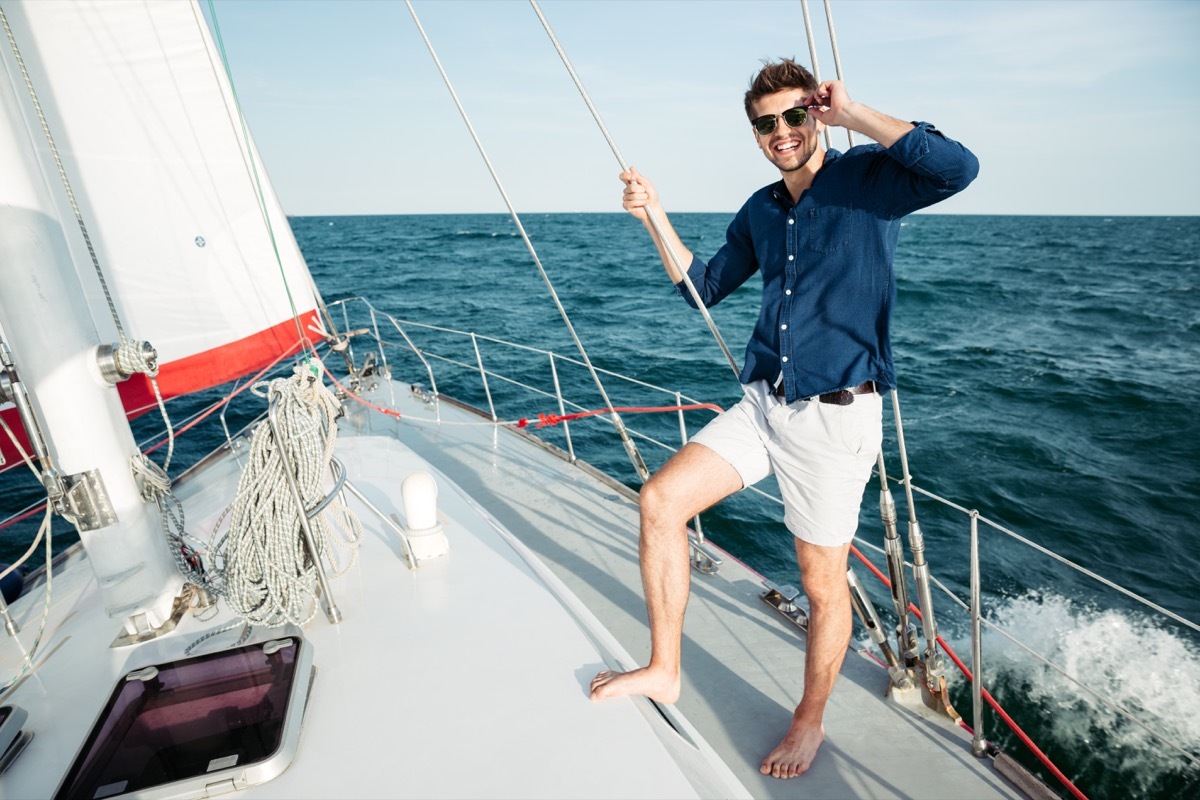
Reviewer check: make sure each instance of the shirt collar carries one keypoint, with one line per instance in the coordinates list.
(779, 190)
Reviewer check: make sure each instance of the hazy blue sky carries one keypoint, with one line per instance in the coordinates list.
(1079, 107)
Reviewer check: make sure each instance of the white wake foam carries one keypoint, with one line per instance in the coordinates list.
(1126, 658)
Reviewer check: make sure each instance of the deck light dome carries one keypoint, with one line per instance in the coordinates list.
(425, 534)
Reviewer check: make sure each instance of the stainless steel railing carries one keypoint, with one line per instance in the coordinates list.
(976, 523)
(375, 326)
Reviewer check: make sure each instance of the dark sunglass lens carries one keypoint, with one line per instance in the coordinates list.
(795, 117)
(764, 125)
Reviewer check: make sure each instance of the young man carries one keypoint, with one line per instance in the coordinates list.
(823, 238)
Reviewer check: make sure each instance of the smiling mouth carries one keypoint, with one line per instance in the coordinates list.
(787, 147)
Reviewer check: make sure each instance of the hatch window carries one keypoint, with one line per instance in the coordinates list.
(204, 720)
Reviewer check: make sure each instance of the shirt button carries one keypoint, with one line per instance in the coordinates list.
(783, 327)
(791, 221)
(785, 359)
(791, 258)
(787, 291)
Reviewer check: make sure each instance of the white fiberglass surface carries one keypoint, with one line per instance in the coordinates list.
(465, 677)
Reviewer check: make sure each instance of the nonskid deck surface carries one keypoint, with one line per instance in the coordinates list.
(431, 685)
(395, 694)
(742, 663)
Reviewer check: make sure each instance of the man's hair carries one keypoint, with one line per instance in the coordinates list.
(776, 76)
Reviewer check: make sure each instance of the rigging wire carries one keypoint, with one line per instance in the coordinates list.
(239, 121)
(812, 55)
(654, 221)
(131, 357)
(630, 448)
(837, 59)
(921, 574)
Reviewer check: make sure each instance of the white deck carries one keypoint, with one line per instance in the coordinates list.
(742, 662)
(459, 679)
(464, 678)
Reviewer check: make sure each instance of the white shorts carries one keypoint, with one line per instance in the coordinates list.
(821, 454)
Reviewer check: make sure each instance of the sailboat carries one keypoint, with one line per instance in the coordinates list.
(373, 589)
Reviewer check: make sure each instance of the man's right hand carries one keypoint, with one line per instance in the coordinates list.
(641, 199)
(639, 193)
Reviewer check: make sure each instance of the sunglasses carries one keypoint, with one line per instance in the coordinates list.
(794, 117)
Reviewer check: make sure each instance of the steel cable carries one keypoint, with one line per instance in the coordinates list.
(630, 448)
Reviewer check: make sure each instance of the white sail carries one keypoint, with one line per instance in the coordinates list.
(134, 205)
(192, 242)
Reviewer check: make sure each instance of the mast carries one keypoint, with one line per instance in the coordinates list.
(47, 325)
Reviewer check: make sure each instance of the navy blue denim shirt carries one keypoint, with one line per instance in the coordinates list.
(826, 262)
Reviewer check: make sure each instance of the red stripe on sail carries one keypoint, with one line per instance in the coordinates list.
(10, 455)
(219, 365)
(193, 373)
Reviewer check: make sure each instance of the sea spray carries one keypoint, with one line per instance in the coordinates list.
(1128, 660)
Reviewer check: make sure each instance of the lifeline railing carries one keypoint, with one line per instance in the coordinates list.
(380, 323)
(973, 605)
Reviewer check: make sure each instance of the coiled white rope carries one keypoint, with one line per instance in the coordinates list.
(185, 549)
(268, 575)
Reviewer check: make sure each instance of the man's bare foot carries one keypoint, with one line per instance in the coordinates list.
(663, 687)
(795, 753)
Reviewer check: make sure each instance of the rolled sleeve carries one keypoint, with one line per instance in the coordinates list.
(696, 272)
(727, 269)
(940, 166)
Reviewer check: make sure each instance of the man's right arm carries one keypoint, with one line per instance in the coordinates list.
(640, 200)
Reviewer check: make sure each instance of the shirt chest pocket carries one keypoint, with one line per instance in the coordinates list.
(829, 229)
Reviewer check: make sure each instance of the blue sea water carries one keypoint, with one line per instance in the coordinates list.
(1047, 374)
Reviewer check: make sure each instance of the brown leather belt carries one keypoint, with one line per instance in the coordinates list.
(843, 397)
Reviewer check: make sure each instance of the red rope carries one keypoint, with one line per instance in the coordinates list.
(351, 394)
(1012, 724)
(547, 420)
(544, 420)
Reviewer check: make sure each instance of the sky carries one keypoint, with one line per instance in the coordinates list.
(1087, 107)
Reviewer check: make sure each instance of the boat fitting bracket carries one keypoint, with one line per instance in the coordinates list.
(85, 502)
(144, 633)
(702, 559)
(783, 600)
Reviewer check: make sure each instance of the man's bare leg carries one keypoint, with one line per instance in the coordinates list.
(823, 571)
(691, 481)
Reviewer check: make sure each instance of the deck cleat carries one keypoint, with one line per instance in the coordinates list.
(783, 600)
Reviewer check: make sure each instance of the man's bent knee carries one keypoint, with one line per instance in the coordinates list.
(692, 480)
(658, 501)
(823, 571)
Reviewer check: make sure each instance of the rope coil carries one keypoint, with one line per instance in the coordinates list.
(269, 577)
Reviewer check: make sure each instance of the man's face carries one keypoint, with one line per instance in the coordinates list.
(786, 147)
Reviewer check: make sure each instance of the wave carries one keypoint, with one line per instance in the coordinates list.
(487, 234)
(1128, 660)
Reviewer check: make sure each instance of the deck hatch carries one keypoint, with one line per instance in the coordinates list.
(175, 728)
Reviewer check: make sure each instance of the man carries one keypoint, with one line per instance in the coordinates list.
(823, 238)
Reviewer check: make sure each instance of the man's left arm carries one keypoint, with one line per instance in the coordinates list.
(931, 166)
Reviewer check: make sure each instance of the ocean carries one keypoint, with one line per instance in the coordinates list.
(1046, 368)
